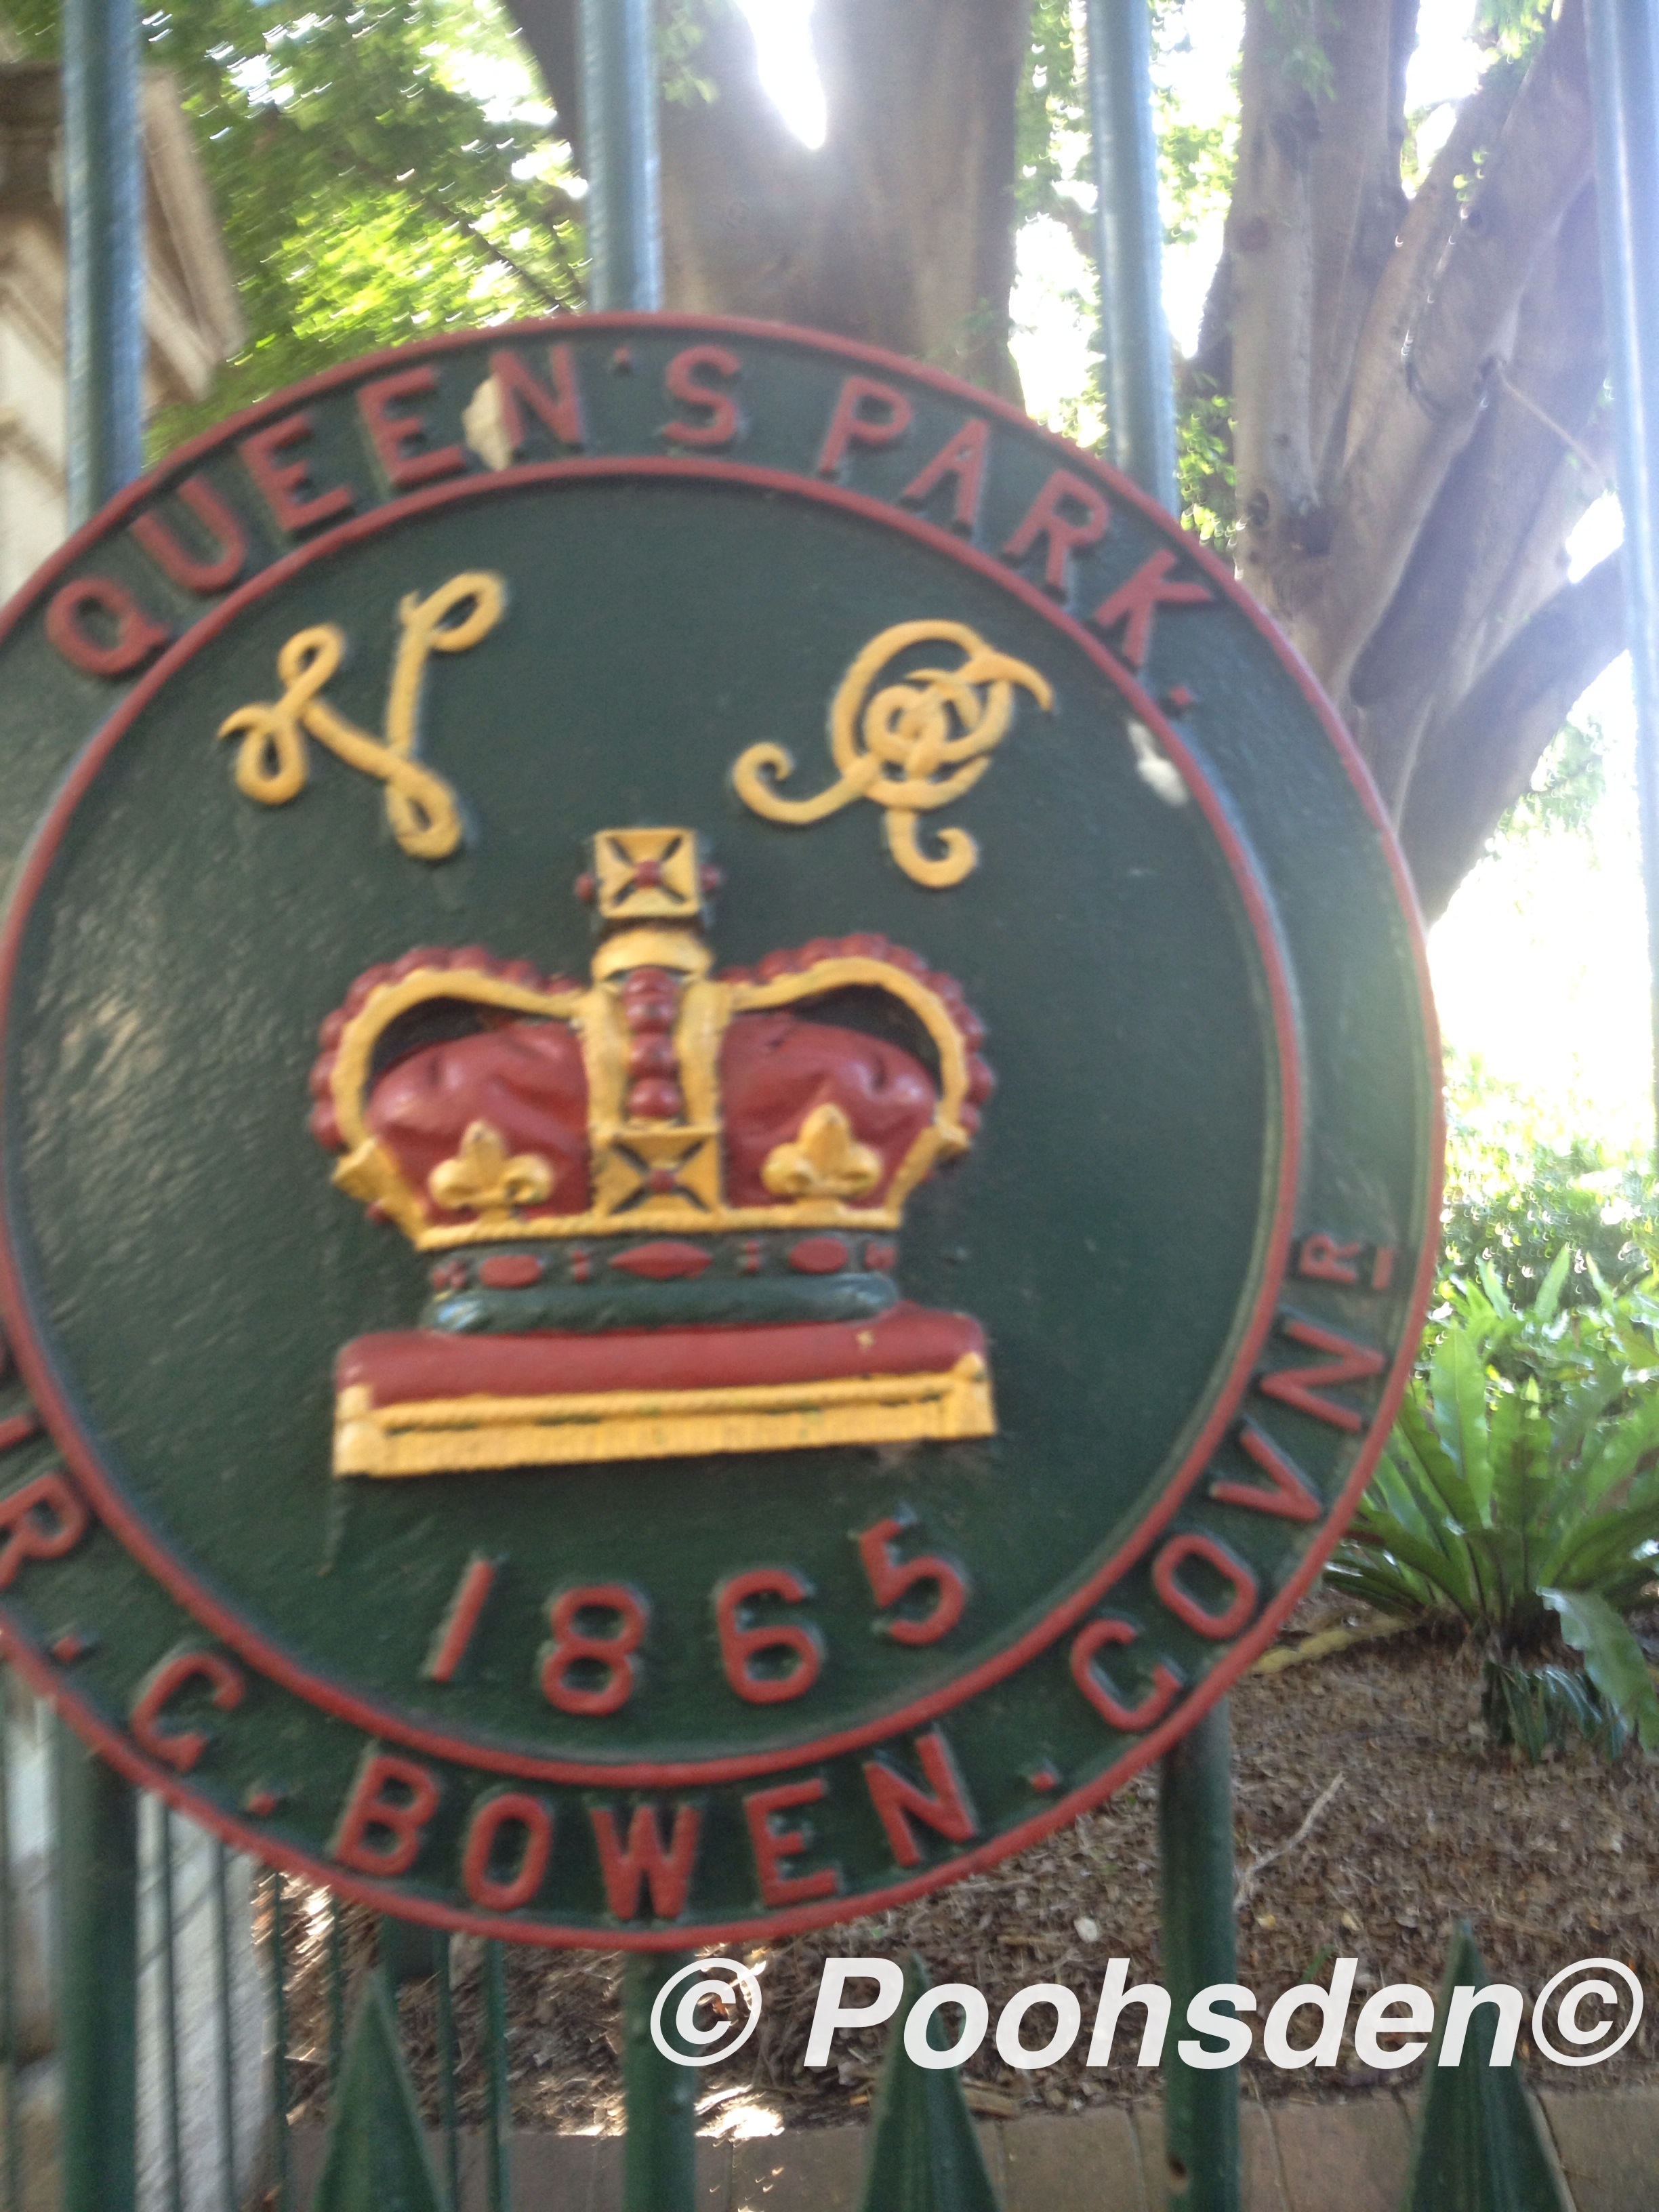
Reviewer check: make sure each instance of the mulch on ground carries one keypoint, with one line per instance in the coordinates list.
(1426, 1825)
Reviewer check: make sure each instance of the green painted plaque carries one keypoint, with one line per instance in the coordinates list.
(719, 1131)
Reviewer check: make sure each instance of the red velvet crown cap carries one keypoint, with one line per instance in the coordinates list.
(526, 1079)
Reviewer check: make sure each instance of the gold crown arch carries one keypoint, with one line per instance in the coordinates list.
(818, 1177)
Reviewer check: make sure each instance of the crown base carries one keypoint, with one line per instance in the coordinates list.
(604, 1308)
(663, 1282)
(415, 1403)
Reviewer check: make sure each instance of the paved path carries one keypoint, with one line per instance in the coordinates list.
(1344, 2157)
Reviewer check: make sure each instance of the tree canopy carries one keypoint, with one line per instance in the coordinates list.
(1393, 417)
(376, 177)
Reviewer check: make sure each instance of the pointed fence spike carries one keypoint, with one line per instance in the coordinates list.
(924, 2153)
(1477, 2148)
(375, 2157)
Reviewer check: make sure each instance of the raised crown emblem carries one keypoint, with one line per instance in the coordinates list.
(664, 1149)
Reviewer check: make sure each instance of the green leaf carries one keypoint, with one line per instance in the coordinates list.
(1617, 1452)
(1477, 2141)
(1605, 1549)
(1496, 1293)
(1424, 1463)
(1549, 1291)
(1612, 1658)
(1402, 1491)
(1383, 1583)
(1449, 1570)
(1457, 1387)
(1582, 1402)
(1522, 1480)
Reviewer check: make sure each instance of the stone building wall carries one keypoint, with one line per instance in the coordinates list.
(191, 317)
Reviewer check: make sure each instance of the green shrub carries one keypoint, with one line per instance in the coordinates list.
(1519, 1493)
(1519, 1189)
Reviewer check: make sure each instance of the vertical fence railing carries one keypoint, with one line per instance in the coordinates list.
(1134, 337)
(96, 1812)
(1195, 1820)
(280, 2159)
(97, 1936)
(624, 241)
(1623, 37)
(169, 1981)
(104, 196)
(98, 1859)
(444, 2005)
(619, 131)
(11, 2153)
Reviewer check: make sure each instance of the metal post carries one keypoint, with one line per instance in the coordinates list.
(97, 1979)
(96, 1811)
(11, 2164)
(1624, 56)
(619, 122)
(1195, 1817)
(1195, 1871)
(498, 2103)
(104, 190)
(1129, 248)
(281, 2198)
(660, 2161)
(97, 1822)
(170, 1963)
(443, 1969)
(624, 246)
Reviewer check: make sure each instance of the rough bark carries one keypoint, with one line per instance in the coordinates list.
(1476, 570)
(899, 230)
(1408, 471)
(1416, 383)
(1485, 750)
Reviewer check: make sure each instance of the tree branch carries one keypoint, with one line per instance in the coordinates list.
(1476, 762)
(922, 106)
(1427, 409)
(1213, 361)
(1078, 222)
(1430, 222)
(1481, 564)
(1271, 249)
(481, 239)
(1355, 200)
(549, 29)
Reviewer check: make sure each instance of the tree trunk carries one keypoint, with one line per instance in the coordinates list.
(1407, 480)
(899, 230)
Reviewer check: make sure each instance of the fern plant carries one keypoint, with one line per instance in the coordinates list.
(1519, 1492)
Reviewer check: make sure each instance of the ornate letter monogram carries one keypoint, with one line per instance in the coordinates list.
(270, 762)
(927, 738)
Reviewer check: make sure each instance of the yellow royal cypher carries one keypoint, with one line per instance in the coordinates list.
(270, 762)
(910, 746)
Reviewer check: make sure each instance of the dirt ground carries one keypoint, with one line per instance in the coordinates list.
(1421, 1825)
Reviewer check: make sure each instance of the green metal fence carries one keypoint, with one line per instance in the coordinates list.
(212, 2077)
(139, 2058)
(220, 2062)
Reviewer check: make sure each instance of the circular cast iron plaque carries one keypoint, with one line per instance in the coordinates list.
(719, 1130)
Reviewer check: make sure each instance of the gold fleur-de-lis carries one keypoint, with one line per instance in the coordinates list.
(910, 747)
(482, 1179)
(825, 1160)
